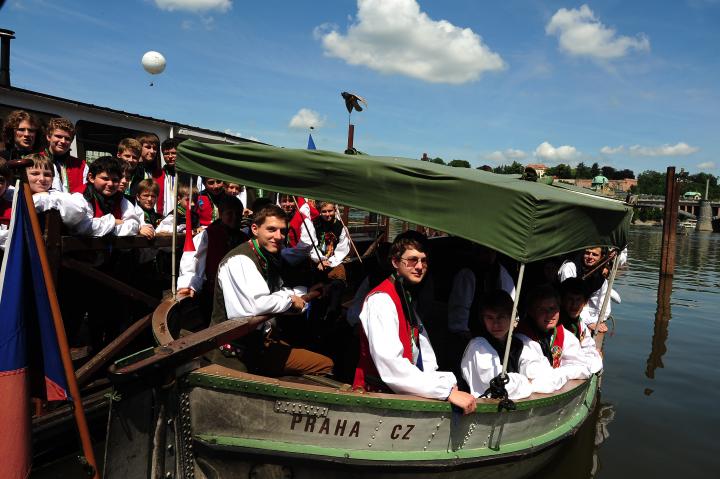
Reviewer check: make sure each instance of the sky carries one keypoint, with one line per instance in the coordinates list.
(629, 84)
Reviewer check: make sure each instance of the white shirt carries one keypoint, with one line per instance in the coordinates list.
(481, 363)
(380, 322)
(462, 294)
(245, 292)
(106, 224)
(339, 253)
(57, 183)
(591, 311)
(192, 264)
(543, 377)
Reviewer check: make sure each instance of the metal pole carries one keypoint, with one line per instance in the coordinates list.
(173, 286)
(608, 293)
(512, 322)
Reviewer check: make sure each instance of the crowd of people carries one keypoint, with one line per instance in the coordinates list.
(287, 258)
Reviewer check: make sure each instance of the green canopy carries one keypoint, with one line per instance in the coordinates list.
(524, 220)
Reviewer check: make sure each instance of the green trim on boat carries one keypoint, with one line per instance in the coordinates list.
(211, 381)
(383, 455)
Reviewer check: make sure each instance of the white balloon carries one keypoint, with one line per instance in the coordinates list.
(153, 62)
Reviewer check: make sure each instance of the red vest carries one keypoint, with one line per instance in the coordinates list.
(116, 212)
(5, 210)
(366, 369)
(295, 226)
(74, 168)
(206, 210)
(159, 176)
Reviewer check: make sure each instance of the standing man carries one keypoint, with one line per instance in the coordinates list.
(395, 351)
(70, 172)
(165, 177)
(249, 284)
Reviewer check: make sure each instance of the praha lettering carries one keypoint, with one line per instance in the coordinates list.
(338, 427)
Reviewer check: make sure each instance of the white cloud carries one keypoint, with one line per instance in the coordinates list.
(580, 33)
(506, 155)
(545, 151)
(610, 150)
(194, 5)
(305, 118)
(707, 165)
(395, 37)
(679, 149)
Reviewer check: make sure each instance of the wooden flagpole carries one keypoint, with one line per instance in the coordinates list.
(60, 333)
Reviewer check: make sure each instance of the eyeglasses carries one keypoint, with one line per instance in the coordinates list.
(413, 261)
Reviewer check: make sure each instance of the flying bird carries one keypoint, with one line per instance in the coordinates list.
(353, 101)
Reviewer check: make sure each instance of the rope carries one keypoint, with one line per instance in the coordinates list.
(497, 390)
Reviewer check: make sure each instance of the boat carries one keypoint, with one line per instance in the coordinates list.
(177, 416)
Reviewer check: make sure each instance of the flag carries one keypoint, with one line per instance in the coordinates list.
(28, 341)
(311, 143)
(189, 245)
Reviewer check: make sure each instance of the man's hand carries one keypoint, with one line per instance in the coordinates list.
(298, 304)
(147, 231)
(602, 327)
(324, 265)
(187, 291)
(463, 400)
(118, 222)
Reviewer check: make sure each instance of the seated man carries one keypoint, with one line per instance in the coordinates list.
(249, 283)
(573, 299)
(395, 352)
(483, 358)
(547, 343)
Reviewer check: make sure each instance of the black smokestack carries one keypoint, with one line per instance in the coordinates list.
(5, 37)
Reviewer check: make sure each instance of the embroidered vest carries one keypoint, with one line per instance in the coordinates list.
(327, 235)
(366, 374)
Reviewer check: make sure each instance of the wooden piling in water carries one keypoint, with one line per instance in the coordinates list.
(667, 255)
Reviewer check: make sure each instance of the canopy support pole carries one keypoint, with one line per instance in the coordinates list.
(513, 320)
(608, 293)
(173, 286)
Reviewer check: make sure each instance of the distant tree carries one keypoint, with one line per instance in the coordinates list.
(582, 172)
(594, 170)
(697, 183)
(608, 172)
(624, 174)
(651, 183)
(560, 171)
(459, 163)
(514, 169)
(437, 160)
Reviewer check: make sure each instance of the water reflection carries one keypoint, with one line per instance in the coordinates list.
(660, 332)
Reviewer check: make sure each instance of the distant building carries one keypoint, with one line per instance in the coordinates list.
(692, 195)
(599, 183)
(539, 169)
(616, 186)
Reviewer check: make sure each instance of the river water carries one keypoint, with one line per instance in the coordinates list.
(658, 415)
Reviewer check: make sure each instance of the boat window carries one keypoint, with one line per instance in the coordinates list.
(96, 139)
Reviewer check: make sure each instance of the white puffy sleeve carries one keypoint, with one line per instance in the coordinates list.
(574, 360)
(192, 264)
(567, 270)
(535, 366)
(507, 283)
(88, 224)
(481, 363)
(245, 291)
(593, 359)
(131, 222)
(380, 322)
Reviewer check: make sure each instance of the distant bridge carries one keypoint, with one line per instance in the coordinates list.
(692, 207)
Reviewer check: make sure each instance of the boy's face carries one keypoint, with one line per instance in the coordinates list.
(497, 323)
(183, 201)
(169, 156)
(124, 183)
(287, 204)
(59, 141)
(105, 183)
(147, 200)
(148, 152)
(546, 313)
(232, 189)
(130, 157)
(25, 135)
(573, 304)
(327, 212)
(214, 186)
(591, 256)
(271, 234)
(412, 265)
(39, 179)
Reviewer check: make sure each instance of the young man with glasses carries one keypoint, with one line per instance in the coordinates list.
(20, 135)
(395, 351)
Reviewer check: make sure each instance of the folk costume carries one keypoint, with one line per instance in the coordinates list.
(211, 245)
(482, 361)
(165, 177)
(593, 359)
(550, 359)
(596, 285)
(248, 284)
(306, 214)
(207, 207)
(70, 172)
(395, 352)
(103, 211)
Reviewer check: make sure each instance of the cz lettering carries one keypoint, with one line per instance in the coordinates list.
(398, 429)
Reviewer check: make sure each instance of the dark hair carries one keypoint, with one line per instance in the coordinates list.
(408, 240)
(229, 202)
(497, 300)
(108, 164)
(260, 203)
(575, 286)
(539, 293)
(169, 144)
(268, 211)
